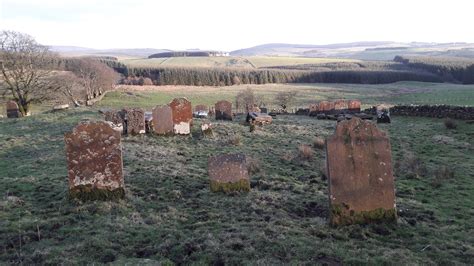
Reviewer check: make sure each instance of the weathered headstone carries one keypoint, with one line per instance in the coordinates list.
(94, 159)
(135, 118)
(163, 120)
(354, 106)
(228, 172)
(116, 117)
(326, 107)
(341, 105)
(13, 111)
(223, 110)
(182, 115)
(359, 168)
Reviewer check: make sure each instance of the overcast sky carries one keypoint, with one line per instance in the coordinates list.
(230, 25)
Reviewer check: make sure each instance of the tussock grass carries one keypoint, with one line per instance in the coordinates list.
(169, 214)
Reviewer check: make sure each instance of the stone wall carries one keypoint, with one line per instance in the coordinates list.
(438, 111)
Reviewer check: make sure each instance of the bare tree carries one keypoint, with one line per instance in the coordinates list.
(285, 98)
(94, 76)
(69, 85)
(25, 69)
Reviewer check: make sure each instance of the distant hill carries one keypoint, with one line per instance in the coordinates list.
(83, 51)
(360, 50)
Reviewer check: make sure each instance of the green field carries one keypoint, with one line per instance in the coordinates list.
(395, 93)
(233, 62)
(170, 216)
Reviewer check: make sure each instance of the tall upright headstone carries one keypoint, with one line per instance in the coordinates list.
(163, 120)
(223, 110)
(182, 115)
(228, 172)
(359, 168)
(13, 111)
(94, 159)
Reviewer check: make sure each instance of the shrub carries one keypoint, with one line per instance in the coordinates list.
(253, 166)
(305, 152)
(319, 143)
(450, 123)
(441, 174)
(411, 166)
(234, 140)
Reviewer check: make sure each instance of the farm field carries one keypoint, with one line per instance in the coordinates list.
(170, 216)
(233, 62)
(394, 93)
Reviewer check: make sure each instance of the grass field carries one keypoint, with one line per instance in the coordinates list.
(395, 93)
(170, 216)
(236, 62)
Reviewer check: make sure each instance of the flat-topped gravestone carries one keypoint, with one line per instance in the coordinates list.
(359, 168)
(182, 115)
(13, 111)
(94, 159)
(163, 120)
(223, 110)
(354, 106)
(135, 118)
(228, 172)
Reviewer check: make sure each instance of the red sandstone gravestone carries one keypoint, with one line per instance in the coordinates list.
(340, 105)
(354, 106)
(223, 110)
(163, 120)
(13, 111)
(94, 159)
(359, 166)
(135, 118)
(182, 115)
(228, 172)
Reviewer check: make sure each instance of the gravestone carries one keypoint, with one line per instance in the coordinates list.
(94, 159)
(114, 116)
(13, 111)
(182, 115)
(228, 172)
(135, 119)
(354, 106)
(340, 105)
(325, 107)
(223, 110)
(359, 168)
(163, 120)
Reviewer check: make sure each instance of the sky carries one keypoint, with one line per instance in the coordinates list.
(229, 25)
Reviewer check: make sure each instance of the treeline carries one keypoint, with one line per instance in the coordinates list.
(214, 77)
(459, 70)
(224, 77)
